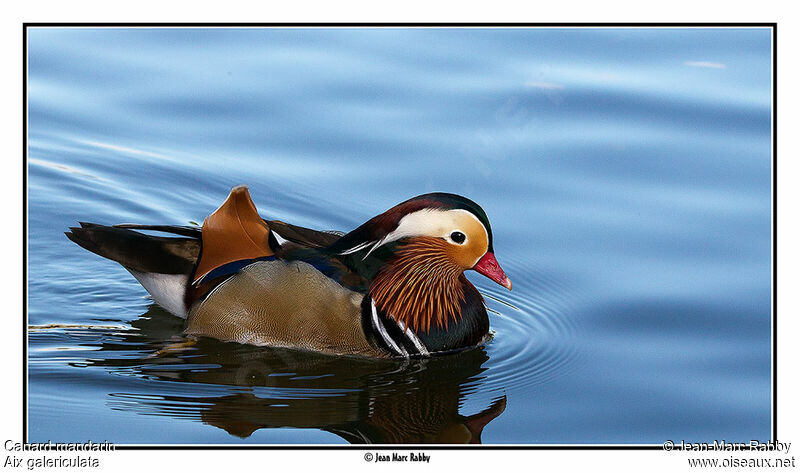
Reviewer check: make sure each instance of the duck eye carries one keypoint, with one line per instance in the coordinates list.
(458, 237)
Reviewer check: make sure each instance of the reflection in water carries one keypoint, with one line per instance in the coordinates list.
(361, 400)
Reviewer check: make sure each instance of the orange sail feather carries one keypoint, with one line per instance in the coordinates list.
(233, 232)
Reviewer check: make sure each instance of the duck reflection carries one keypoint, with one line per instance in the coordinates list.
(360, 400)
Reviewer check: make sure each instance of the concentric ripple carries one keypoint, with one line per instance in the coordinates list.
(534, 329)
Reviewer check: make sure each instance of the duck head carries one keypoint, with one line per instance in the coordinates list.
(415, 254)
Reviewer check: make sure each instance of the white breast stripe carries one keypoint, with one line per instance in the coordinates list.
(414, 339)
(376, 323)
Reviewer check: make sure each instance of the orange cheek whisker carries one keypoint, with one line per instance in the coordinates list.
(420, 286)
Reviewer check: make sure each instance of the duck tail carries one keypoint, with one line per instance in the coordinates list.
(162, 265)
(138, 251)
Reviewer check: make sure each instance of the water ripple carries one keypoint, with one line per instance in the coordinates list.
(535, 329)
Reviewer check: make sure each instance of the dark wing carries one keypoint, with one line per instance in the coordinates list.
(191, 232)
(296, 234)
(303, 236)
(137, 251)
(234, 232)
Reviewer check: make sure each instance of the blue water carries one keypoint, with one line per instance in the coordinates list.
(626, 173)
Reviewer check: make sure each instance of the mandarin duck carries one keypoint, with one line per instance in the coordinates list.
(393, 287)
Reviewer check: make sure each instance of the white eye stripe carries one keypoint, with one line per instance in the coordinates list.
(425, 222)
(435, 223)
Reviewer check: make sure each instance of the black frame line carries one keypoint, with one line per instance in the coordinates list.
(773, 26)
(775, 232)
(24, 234)
(398, 25)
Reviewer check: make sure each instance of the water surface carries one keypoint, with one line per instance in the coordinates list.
(626, 173)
